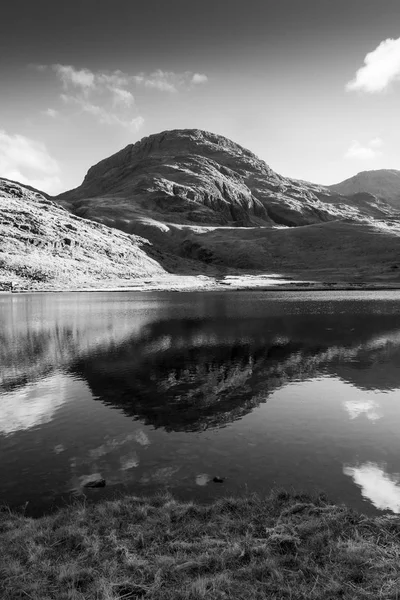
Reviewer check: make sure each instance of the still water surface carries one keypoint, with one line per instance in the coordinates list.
(156, 391)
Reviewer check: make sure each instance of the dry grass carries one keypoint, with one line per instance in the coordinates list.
(283, 546)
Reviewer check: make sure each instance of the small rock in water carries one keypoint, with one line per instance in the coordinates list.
(218, 479)
(202, 479)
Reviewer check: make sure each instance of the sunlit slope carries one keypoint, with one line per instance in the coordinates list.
(40, 242)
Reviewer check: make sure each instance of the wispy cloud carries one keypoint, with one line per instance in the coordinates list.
(364, 152)
(28, 161)
(109, 95)
(104, 116)
(168, 81)
(51, 112)
(199, 78)
(381, 68)
(104, 95)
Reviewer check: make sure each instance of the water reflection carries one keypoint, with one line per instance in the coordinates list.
(162, 389)
(381, 488)
(369, 408)
(190, 375)
(33, 405)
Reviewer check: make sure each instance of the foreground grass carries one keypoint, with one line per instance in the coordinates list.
(283, 546)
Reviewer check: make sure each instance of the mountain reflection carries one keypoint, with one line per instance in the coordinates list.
(189, 363)
(190, 375)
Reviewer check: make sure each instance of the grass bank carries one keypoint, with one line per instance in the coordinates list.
(280, 547)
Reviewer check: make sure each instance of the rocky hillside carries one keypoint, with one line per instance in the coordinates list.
(196, 177)
(42, 243)
(384, 184)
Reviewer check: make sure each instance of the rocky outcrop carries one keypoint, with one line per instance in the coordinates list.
(383, 184)
(40, 242)
(196, 177)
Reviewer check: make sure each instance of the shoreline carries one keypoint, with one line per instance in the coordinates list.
(201, 283)
(282, 546)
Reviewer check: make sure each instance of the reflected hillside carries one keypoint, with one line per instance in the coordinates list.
(189, 375)
(40, 333)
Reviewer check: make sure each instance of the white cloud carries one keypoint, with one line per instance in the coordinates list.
(51, 112)
(381, 68)
(370, 150)
(199, 78)
(382, 489)
(82, 78)
(123, 97)
(168, 81)
(28, 161)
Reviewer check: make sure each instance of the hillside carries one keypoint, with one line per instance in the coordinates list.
(384, 184)
(42, 243)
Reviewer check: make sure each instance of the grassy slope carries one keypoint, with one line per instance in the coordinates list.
(280, 547)
(337, 250)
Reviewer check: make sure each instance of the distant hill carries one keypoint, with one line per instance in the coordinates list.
(42, 243)
(382, 183)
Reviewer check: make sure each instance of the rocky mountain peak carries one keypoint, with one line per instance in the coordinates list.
(179, 144)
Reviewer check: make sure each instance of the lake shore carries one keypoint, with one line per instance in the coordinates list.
(197, 283)
(283, 546)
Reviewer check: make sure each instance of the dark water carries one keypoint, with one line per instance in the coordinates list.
(164, 391)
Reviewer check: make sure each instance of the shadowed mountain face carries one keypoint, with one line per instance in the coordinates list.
(384, 184)
(192, 375)
(42, 242)
(197, 177)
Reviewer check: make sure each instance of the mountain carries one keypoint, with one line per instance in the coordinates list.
(384, 184)
(196, 177)
(207, 203)
(43, 243)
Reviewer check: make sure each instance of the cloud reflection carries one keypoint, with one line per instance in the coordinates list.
(355, 408)
(379, 487)
(34, 405)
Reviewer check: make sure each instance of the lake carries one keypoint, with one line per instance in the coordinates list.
(165, 391)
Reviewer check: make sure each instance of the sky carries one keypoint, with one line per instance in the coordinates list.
(312, 86)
